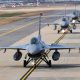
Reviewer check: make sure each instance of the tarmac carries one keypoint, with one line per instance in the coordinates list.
(66, 68)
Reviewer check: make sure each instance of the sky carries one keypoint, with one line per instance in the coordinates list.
(44, 0)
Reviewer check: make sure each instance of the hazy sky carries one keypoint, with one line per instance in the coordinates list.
(45, 0)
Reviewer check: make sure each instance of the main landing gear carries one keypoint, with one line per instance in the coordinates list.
(26, 62)
(42, 57)
(70, 31)
(58, 31)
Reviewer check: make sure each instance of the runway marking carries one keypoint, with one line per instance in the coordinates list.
(15, 29)
(26, 75)
(57, 41)
(23, 26)
(3, 34)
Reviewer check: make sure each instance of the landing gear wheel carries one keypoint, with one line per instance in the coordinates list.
(25, 63)
(74, 27)
(70, 31)
(58, 31)
(49, 63)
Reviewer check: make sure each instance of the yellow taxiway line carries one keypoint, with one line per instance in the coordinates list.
(15, 29)
(18, 28)
(25, 76)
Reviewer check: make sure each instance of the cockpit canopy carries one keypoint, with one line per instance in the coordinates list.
(34, 40)
(74, 13)
(63, 19)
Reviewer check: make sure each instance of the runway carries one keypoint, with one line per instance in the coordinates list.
(23, 28)
(20, 32)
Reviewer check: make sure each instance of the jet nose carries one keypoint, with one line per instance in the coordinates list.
(33, 49)
(73, 21)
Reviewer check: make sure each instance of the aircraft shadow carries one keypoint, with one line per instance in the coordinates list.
(59, 66)
(75, 32)
(72, 33)
(12, 66)
(44, 66)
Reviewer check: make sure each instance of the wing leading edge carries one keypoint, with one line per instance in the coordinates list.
(50, 47)
(58, 46)
(21, 47)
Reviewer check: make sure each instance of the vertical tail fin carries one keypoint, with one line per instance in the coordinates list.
(65, 10)
(75, 6)
(39, 34)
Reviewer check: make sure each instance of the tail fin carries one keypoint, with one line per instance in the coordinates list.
(65, 10)
(39, 34)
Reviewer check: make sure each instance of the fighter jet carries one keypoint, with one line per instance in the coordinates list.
(64, 24)
(37, 49)
(75, 16)
(75, 19)
(67, 25)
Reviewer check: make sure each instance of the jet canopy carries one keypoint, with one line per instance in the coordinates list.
(74, 13)
(64, 19)
(34, 40)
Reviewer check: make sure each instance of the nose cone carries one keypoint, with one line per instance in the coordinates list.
(34, 49)
(73, 21)
(63, 31)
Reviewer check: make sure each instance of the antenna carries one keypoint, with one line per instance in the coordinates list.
(40, 26)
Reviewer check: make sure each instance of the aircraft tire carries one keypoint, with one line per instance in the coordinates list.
(24, 63)
(70, 31)
(50, 63)
(58, 31)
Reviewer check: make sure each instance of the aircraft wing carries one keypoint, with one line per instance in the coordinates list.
(56, 23)
(21, 47)
(50, 47)
(74, 22)
(58, 46)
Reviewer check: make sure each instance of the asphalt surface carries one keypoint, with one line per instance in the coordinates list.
(66, 68)
(24, 28)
